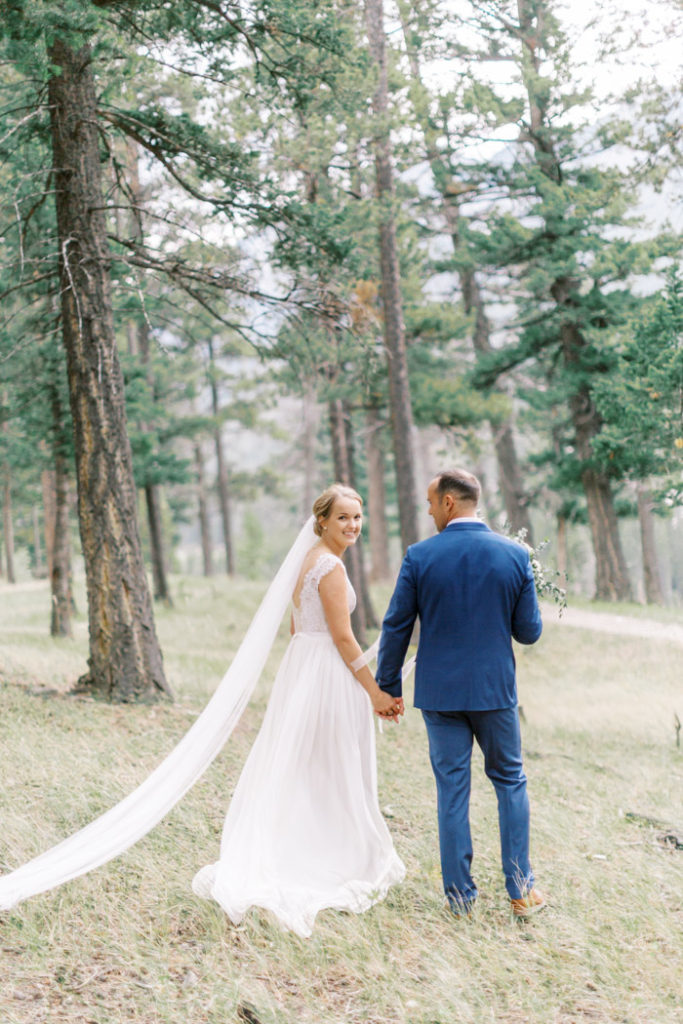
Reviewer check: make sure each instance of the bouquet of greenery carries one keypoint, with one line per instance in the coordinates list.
(544, 577)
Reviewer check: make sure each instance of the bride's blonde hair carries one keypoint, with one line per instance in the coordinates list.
(323, 504)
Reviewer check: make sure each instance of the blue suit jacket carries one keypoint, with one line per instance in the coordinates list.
(473, 591)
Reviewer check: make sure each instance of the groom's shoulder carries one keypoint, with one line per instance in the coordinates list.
(428, 550)
(423, 547)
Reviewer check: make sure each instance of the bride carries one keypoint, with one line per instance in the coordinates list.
(304, 830)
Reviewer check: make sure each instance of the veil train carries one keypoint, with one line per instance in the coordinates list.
(138, 813)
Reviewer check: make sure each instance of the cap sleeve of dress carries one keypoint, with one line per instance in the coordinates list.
(324, 565)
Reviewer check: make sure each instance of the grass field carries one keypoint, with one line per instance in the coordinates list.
(130, 942)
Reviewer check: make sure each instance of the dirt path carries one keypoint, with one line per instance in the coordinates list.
(622, 625)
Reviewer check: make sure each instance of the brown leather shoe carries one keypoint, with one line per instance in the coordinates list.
(529, 904)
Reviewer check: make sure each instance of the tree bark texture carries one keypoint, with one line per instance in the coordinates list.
(652, 582)
(377, 500)
(611, 574)
(203, 510)
(392, 303)
(125, 662)
(363, 617)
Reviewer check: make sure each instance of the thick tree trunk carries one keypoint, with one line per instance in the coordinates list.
(204, 524)
(7, 523)
(654, 593)
(377, 499)
(125, 661)
(392, 305)
(611, 574)
(363, 617)
(222, 478)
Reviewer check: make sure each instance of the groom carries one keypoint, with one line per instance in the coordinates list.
(473, 592)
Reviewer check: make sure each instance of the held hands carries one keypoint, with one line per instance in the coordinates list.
(386, 706)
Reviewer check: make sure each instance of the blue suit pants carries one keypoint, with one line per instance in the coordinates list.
(450, 749)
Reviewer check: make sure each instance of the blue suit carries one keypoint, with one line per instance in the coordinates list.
(473, 592)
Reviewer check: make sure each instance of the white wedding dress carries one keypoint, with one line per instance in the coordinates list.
(304, 830)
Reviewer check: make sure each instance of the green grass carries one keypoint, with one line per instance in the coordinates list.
(130, 942)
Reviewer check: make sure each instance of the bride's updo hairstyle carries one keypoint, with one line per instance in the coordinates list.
(323, 504)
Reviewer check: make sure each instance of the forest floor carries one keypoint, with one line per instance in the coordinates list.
(131, 943)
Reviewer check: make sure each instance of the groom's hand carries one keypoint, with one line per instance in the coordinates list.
(393, 713)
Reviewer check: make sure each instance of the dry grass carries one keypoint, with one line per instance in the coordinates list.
(131, 943)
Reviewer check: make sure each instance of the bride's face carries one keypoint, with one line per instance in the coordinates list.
(343, 525)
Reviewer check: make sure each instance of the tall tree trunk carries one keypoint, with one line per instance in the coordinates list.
(7, 523)
(392, 303)
(222, 479)
(377, 499)
(138, 345)
(611, 574)
(308, 447)
(48, 486)
(204, 523)
(60, 566)
(612, 582)
(510, 481)
(156, 544)
(654, 593)
(125, 662)
(510, 477)
(38, 570)
(363, 617)
(56, 507)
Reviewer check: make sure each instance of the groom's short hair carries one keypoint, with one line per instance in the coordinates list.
(460, 484)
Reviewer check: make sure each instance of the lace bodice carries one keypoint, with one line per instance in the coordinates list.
(309, 617)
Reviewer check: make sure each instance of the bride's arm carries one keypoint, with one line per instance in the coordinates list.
(333, 595)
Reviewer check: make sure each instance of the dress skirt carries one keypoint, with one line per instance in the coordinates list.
(304, 830)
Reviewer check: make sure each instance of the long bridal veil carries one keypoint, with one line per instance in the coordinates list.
(126, 823)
